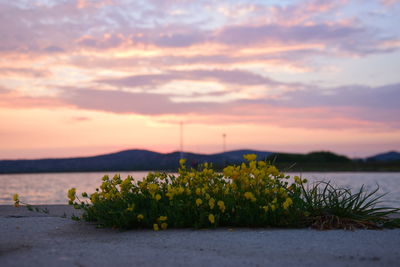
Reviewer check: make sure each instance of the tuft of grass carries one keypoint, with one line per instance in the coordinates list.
(330, 207)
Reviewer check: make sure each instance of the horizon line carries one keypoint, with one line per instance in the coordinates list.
(189, 152)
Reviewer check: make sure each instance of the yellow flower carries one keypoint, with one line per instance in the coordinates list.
(104, 185)
(273, 170)
(250, 157)
(188, 192)
(180, 190)
(170, 195)
(182, 162)
(265, 208)
(297, 179)
(228, 171)
(226, 191)
(130, 207)
(250, 196)
(117, 179)
(287, 203)
(16, 200)
(155, 227)
(199, 202)
(221, 205)
(262, 164)
(198, 191)
(140, 217)
(94, 197)
(164, 226)
(273, 208)
(152, 188)
(162, 218)
(71, 194)
(211, 218)
(158, 197)
(126, 184)
(211, 203)
(253, 165)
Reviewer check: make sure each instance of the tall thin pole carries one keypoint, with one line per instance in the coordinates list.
(181, 139)
(223, 143)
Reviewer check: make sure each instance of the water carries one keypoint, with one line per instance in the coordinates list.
(51, 188)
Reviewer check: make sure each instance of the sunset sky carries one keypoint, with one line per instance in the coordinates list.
(84, 77)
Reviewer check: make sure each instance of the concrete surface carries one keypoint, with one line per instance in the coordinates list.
(32, 239)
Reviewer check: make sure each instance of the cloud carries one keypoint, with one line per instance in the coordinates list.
(24, 72)
(248, 35)
(126, 102)
(45, 28)
(344, 107)
(236, 77)
(106, 41)
(4, 90)
(105, 25)
(12, 100)
(180, 40)
(53, 49)
(382, 97)
(389, 2)
(373, 108)
(127, 46)
(80, 119)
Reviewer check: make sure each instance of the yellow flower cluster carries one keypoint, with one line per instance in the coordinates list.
(72, 195)
(16, 200)
(221, 206)
(250, 196)
(161, 221)
(211, 218)
(199, 198)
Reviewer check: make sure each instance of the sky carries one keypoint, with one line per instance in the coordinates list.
(87, 77)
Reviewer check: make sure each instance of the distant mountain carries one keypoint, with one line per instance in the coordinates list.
(388, 156)
(125, 161)
(313, 157)
(143, 160)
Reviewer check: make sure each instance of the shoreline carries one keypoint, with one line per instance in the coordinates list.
(35, 239)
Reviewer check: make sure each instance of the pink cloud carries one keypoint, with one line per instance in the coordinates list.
(80, 119)
(304, 109)
(89, 25)
(389, 2)
(13, 100)
(237, 77)
(102, 38)
(291, 109)
(25, 72)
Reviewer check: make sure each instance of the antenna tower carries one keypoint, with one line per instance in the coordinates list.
(223, 143)
(181, 139)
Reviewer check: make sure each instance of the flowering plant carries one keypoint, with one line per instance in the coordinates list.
(253, 194)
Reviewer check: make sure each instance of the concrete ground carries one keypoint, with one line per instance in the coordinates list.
(32, 239)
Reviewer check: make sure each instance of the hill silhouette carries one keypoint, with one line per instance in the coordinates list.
(127, 160)
(144, 160)
(388, 156)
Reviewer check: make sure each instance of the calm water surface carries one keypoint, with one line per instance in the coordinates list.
(51, 188)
